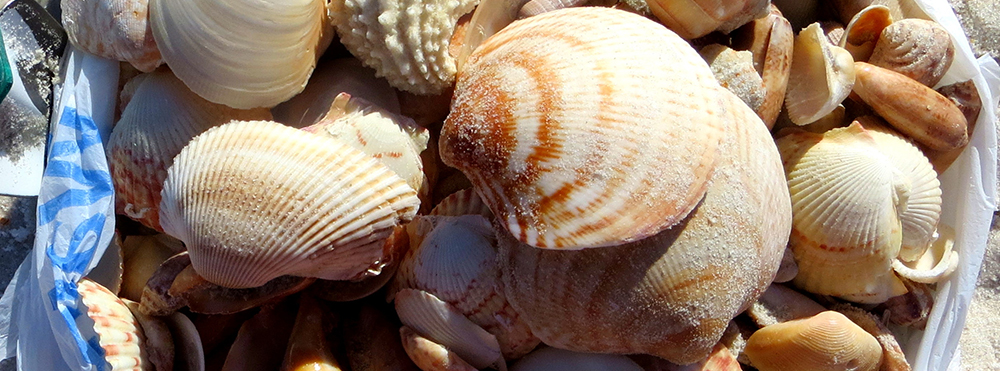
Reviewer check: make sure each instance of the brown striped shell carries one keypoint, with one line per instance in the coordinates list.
(576, 139)
(113, 29)
(253, 201)
(160, 119)
(118, 331)
(917, 48)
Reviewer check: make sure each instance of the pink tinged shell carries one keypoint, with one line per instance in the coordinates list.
(118, 331)
(114, 29)
(160, 119)
(256, 200)
(541, 127)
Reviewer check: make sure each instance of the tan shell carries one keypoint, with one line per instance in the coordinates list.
(241, 53)
(917, 48)
(454, 259)
(277, 201)
(934, 264)
(821, 78)
(555, 359)
(826, 341)
(845, 196)
(160, 119)
(464, 202)
(892, 355)
(113, 29)
(862, 33)
(735, 71)
(441, 323)
(143, 256)
(695, 18)
(431, 356)
(308, 347)
(665, 295)
(119, 333)
(332, 77)
(540, 126)
(966, 98)
(771, 40)
(405, 41)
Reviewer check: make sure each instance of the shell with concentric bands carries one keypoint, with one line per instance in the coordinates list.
(561, 131)
(826, 341)
(917, 48)
(256, 200)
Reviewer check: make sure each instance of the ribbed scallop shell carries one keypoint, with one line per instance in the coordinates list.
(673, 294)
(463, 202)
(454, 259)
(845, 228)
(917, 48)
(696, 18)
(256, 200)
(160, 119)
(332, 77)
(577, 132)
(113, 29)
(241, 53)
(441, 323)
(405, 41)
(821, 78)
(826, 341)
(119, 333)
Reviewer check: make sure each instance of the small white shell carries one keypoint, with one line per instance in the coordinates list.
(441, 323)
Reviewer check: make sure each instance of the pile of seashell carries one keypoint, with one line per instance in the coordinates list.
(538, 185)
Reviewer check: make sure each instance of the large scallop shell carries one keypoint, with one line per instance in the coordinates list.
(826, 341)
(454, 259)
(845, 227)
(160, 119)
(113, 29)
(256, 200)
(119, 333)
(821, 78)
(406, 41)
(917, 48)
(241, 53)
(578, 139)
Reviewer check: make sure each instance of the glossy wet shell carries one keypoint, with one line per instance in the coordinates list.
(917, 48)
(119, 333)
(113, 29)
(577, 136)
(160, 119)
(673, 294)
(256, 200)
(827, 341)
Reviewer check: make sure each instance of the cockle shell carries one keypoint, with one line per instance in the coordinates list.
(555, 359)
(673, 294)
(241, 53)
(454, 259)
(256, 200)
(845, 196)
(862, 33)
(160, 119)
(539, 126)
(826, 341)
(822, 76)
(119, 333)
(735, 71)
(405, 41)
(443, 324)
(431, 356)
(463, 202)
(113, 29)
(695, 18)
(332, 77)
(917, 48)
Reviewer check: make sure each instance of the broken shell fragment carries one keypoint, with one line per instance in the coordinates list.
(113, 29)
(273, 201)
(119, 333)
(735, 71)
(143, 256)
(934, 264)
(822, 76)
(826, 341)
(771, 41)
(555, 359)
(920, 49)
(441, 323)
(862, 33)
(542, 152)
(892, 355)
(966, 98)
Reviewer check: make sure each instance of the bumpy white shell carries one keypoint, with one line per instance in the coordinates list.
(113, 29)
(332, 77)
(821, 78)
(405, 41)
(256, 200)
(241, 53)
(578, 139)
(160, 119)
(119, 333)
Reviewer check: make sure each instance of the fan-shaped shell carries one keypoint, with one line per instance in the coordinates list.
(119, 333)
(845, 227)
(113, 29)
(405, 41)
(917, 48)
(826, 341)
(441, 323)
(256, 200)
(463, 202)
(332, 77)
(454, 259)
(160, 119)
(576, 139)
(821, 78)
(241, 53)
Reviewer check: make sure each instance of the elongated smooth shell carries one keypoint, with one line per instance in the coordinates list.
(113, 29)
(917, 48)
(821, 77)
(555, 359)
(160, 119)
(278, 201)
(241, 53)
(827, 341)
(549, 112)
(119, 333)
(441, 323)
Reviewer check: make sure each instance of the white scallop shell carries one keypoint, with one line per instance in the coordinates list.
(441, 323)
(256, 200)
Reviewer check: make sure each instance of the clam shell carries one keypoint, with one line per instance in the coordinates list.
(241, 53)
(160, 119)
(826, 341)
(540, 126)
(405, 41)
(892, 355)
(464, 202)
(441, 323)
(454, 259)
(555, 359)
(695, 18)
(917, 48)
(665, 295)
(119, 333)
(431, 356)
(113, 29)
(862, 33)
(735, 71)
(771, 41)
(822, 76)
(845, 193)
(332, 77)
(256, 200)
(187, 341)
